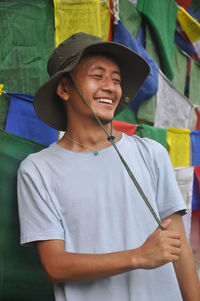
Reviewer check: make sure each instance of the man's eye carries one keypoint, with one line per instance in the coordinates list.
(97, 75)
(117, 80)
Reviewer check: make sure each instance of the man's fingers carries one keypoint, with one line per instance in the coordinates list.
(175, 242)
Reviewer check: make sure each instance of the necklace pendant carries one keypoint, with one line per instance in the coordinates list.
(95, 153)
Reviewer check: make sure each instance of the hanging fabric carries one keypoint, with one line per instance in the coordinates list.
(180, 70)
(194, 89)
(128, 13)
(22, 276)
(152, 132)
(196, 189)
(150, 85)
(23, 121)
(27, 39)
(161, 16)
(127, 115)
(72, 17)
(184, 177)
(189, 25)
(125, 127)
(178, 144)
(184, 3)
(195, 140)
(173, 109)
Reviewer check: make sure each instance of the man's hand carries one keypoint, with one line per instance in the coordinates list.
(161, 247)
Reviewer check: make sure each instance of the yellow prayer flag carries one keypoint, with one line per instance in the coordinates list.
(1, 87)
(178, 145)
(72, 16)
(189, 25)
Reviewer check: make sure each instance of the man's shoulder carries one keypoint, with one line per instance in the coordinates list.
(35, 159)
(146, 144)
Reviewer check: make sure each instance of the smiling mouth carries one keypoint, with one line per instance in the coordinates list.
(105, 100)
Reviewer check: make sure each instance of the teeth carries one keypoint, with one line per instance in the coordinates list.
(105, 100)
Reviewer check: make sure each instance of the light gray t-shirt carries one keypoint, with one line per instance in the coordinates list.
(91, 203)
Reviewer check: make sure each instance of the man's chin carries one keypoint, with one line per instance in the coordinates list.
(105, 121)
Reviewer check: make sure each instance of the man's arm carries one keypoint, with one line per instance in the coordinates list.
(185, 267)
(159, 248)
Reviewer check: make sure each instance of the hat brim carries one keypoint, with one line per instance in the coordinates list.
(133, 68)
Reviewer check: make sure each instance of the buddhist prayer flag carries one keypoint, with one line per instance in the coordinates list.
(1, 87)
(189, 25)
(157, 134)
(178, 144)
(125, 127)
(195, 140)
(24, 122)
(161, 15)
(150, 85)
(184, 177)
(173, 109)
(91, 17)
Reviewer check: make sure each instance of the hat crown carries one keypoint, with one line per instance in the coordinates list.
(68, 50)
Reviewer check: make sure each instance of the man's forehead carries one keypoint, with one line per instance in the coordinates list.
(98, 61)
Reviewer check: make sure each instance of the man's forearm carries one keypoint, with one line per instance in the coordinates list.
(75, 267)
(187, 276)
(159, 248)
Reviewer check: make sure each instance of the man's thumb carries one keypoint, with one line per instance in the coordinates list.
(166, 223)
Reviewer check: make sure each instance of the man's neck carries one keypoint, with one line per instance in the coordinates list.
(84, 139)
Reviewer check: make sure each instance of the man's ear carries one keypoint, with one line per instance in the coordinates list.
(62, 89)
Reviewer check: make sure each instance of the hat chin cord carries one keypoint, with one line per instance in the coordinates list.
(111, 139)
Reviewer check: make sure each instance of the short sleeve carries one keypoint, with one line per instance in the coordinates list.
(39, 218)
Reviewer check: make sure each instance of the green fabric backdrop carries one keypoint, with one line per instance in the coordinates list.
(27, 39)
(22, 277)
(4, 107)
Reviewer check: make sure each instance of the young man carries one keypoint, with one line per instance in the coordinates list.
(96, 237)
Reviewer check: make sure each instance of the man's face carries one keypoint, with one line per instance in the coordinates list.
(98, 78)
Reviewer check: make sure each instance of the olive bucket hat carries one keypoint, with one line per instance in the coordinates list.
(133, 68)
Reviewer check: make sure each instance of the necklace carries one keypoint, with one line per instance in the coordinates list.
(95, 152)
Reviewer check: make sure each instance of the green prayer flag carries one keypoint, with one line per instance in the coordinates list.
(161, 15)
(180, 70)
(194, 88)
(157, 134)
(27, 39)
(21, 274)
(127, 115)
(151, 46)
(147, 110)
(129, 16)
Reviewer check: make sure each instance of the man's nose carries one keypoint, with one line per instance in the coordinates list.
(108, 84)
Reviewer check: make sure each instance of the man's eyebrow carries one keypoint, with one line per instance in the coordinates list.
(103, 69)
